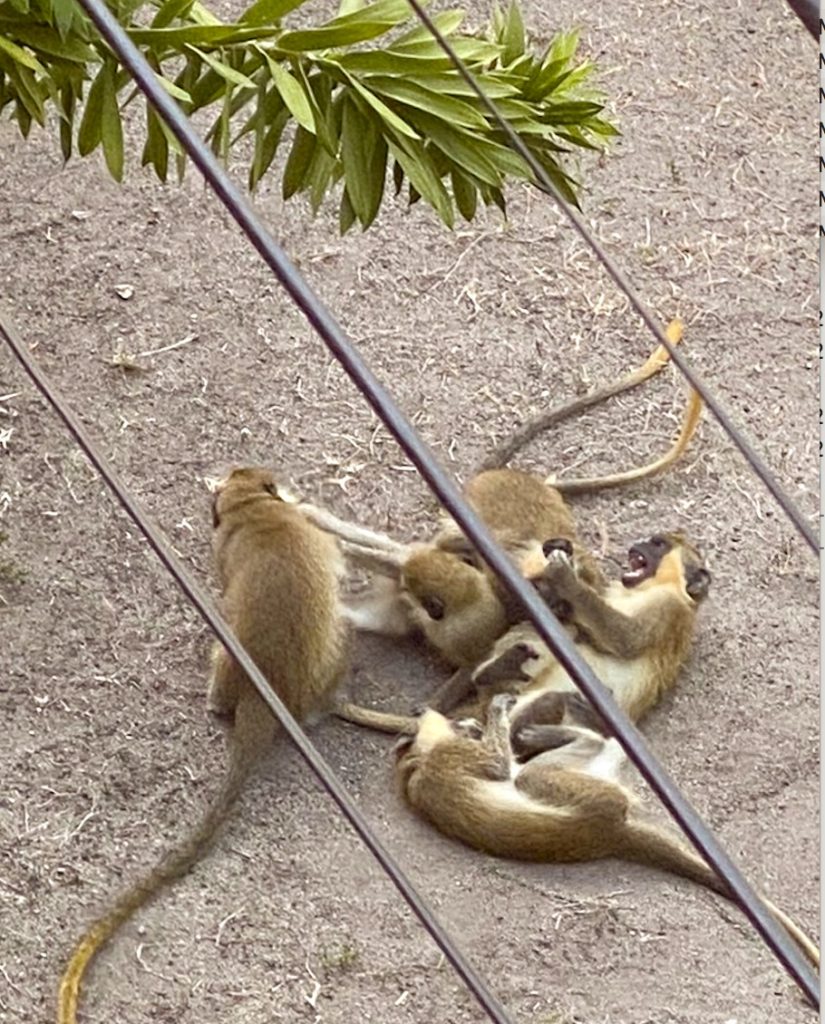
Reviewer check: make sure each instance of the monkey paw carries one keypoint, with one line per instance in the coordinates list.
(557, 546)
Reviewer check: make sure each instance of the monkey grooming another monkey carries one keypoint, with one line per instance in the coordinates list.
(566, 804)
(280, 578)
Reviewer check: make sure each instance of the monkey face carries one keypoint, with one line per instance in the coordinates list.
(652, 558)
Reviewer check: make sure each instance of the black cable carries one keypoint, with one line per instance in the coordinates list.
(217, 623)
(808, 13)
(447, 492)
(543, 182)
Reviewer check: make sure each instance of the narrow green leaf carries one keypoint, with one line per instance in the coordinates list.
(265, 151)
(88, 137)
(20, 55)
(174, 90)
(349, 7)
(564, 45)
(387, 115)
(513, 35)
(464, 193)
(169, 10)
(29, 96)
(224, 70)
(156, 150)
(412, 94)
(111, 129)
(471, 51)
(573, 112)
(368, 23)
(364, 156)
(24, 119)
(346, 214)
(47, 40)
(390, 62)
(464, 149)
(68, 98)
(189, 35)
(397, 176)
(297, 165)
(419, 170)
(293, 95)
(265, 12)
(63, 15)
(446, 22)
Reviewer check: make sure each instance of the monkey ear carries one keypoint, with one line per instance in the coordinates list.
(272, 488)
(698, 584)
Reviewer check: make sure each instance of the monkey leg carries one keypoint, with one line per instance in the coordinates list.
(506, 667)
(456, 691)
(496, 739)
(583, 794)
(224, 687)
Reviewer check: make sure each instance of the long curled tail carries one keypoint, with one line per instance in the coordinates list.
(380, 721)
(558, 414)
(690, 421)
(647, 843)
(175, 863)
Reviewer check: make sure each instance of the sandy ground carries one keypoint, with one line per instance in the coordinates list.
(107, 750)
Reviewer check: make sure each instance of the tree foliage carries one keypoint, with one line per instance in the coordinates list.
(359, 108)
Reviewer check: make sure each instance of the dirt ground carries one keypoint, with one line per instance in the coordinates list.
(107, 751)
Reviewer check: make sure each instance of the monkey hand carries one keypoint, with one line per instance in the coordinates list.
(509, 667)
(558, 582)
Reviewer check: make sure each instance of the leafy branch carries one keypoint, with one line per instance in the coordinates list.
(357, 109)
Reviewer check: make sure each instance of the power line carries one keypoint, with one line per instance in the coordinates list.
(543, 182)
(445, 489)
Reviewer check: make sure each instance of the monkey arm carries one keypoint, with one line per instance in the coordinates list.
(384, 562)
(458, 689)
(346, 531)
(608, 630)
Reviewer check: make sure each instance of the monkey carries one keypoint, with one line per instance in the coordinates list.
(564, 804)
(635, 636)
(280, 577)
(447, 603)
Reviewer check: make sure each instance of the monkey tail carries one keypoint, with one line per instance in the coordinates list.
(646, 843)
(380, 721)
(690, 421)
(558, 414)
(174, 864)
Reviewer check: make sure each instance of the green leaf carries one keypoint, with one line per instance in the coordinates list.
(265, 12)
(297, 165)
(89, 135)
(293, 95)
(68, 99)
(346, 214)
(564, 46)
(364, 156)
(446, 22)
(464, 149)
(169, 11)
(111, 129)
(413, 158)
(20, 55)
(368, 23)
(29, 96)
(411, 94)
(48, 41)
(174, 90)
(63, 15)
(465, 194)
(513, 35)
(224, 70)
(156, 150)
(573, 112)
(387, 115)
(267, 147)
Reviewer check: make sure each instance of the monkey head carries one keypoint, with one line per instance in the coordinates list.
(667, 557)
(436, 585)
(243, 485)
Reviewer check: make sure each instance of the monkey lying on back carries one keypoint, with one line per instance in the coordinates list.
(635, 636)
(280, 578)
(565, 804)
(444, 591)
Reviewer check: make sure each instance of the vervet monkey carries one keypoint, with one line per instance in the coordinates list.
(565, 804)
(280, 579)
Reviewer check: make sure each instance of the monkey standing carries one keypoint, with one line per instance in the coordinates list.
(565, 804)
(279, 575)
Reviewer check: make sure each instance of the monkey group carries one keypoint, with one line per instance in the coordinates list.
(507, 756)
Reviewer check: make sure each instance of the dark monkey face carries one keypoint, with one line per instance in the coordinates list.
(645, 558)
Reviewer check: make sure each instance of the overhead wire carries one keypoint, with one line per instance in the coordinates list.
(622, 281)
(446, 490)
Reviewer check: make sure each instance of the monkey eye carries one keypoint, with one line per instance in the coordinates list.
(658, 541)
(433, 606)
